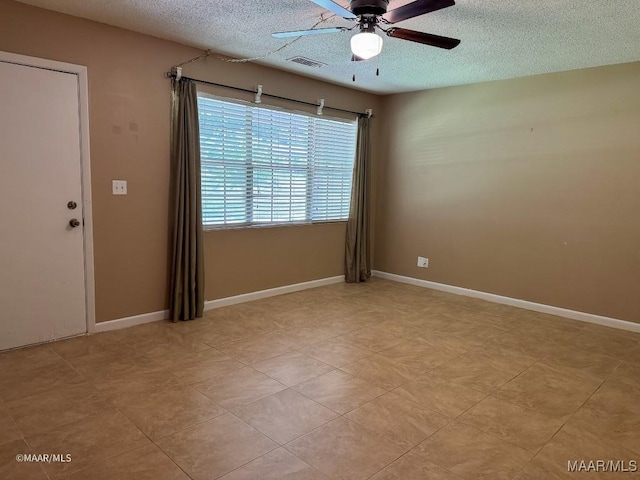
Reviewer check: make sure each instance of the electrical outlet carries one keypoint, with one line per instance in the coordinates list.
(119, 187)
(423, 262)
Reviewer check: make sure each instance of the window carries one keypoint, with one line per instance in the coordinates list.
(264, 166)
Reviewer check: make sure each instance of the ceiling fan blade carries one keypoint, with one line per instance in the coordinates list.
(300, 33)
(335, 8)
(425, 38)
(414, 9)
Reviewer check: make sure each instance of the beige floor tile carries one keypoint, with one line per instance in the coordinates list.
(103, 368)
(561, 323)
(472, 454)
(419, 354)
(88, 441)
(613, 412)
(203, 365)
(520, 426)
(531, 321)
(303, 337)
(336, 352)
(427, 323)
(551, 390)
(382, 371)
(163, 412)
(292, 368)
(626, 373)
(398, 419)
(374, 311)
(456, 343)
(337, 325)
(161, 337)
(499, 309)
(413, 466)
(365, 316)
(598, 330)
(175, 380)
(215, 447)
(11, 469)
(408, 324)
(536, 344)
(632, 355)
(107, 342)
(548, 334)
(474, 373)
(440, 395)
(144, 463)
(239, 387)
(615, 344)
(215, 334)
(285, 415)
(168, 357)
(278, 464)
(372, 339)
(339, 391)
(18, 361)
(255, 349)
(286, 314)
(136, 384)
(575, 445)
(54, 408)
(396, 325)
(475, 333)
(257, 323)
(344, 450)
(501, 358)
(197, 325)
(9, 431)
(27, 381)
(478, 314)
(583, 362)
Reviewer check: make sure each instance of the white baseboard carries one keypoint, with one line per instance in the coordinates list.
(211, 304)
(271, 292)
(130, 321)
(514, 302)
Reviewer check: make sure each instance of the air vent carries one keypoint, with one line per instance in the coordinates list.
(306, 61)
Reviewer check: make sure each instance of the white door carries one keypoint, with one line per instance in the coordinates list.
(42, 274)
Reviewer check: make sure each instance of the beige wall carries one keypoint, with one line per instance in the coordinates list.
(528, 188)
(129, 125)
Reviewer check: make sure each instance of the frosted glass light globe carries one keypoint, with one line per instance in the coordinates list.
(366, 45)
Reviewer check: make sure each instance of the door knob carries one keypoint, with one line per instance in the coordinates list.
(73, 223)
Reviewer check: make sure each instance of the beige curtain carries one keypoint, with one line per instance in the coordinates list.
(186, 296)
(357, 253)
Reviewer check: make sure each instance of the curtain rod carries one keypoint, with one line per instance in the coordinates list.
(173, 74)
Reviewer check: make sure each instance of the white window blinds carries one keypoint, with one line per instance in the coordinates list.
(265, 166)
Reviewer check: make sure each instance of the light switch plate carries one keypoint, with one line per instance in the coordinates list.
(119, 187)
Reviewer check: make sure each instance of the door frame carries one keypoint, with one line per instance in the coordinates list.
(80, 72)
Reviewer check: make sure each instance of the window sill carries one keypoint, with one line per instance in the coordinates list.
(217, 228)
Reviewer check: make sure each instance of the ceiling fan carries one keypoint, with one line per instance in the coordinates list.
(370, 15)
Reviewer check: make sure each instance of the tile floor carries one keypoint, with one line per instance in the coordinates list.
(379, 380)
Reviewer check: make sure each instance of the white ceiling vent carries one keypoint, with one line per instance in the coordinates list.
(306, 61)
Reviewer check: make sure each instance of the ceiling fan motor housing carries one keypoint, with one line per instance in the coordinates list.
(369, 7)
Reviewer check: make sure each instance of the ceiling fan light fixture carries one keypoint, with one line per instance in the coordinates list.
(366, 45)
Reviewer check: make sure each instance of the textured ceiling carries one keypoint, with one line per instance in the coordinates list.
(500, 38)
